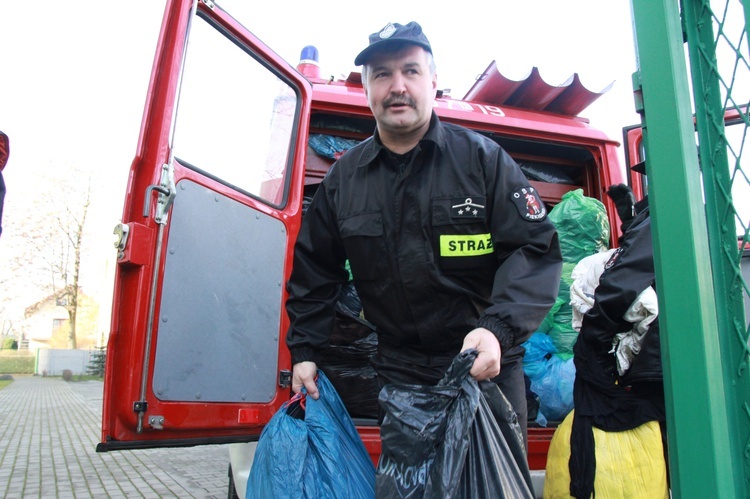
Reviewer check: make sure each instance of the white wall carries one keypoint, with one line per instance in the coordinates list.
(54, 361)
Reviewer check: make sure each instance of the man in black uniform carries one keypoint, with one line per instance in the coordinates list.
(449, 245)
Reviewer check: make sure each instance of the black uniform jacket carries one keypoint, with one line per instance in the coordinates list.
(453, 240)
(629, 272)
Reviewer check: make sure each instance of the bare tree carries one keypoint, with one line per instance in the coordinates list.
(6, 323)
(45, 243)
(71, 228)
(65, 262)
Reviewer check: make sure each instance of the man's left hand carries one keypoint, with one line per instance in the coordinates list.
(487, 363)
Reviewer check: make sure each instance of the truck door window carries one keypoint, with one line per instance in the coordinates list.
(235, 118)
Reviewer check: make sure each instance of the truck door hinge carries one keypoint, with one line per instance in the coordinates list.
(166, 190)
(121, 233)
(156, 422)
(285, 379)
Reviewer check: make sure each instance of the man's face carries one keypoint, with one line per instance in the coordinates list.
(400, 90)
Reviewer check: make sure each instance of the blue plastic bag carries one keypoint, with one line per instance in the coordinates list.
(319, 456)
(539, 348)
(329, 146)
(551, 376)
(555, 388)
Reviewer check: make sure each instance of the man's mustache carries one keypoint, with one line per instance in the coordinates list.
(399, 101)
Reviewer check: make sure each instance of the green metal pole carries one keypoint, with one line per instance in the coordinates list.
(725, 253)
(699, 440)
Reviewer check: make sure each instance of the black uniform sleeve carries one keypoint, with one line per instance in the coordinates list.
(317, 274)
(529, 259)
(628, 273)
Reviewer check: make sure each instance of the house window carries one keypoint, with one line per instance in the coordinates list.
(58, 323)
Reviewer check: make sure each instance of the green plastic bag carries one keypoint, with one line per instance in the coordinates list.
(582, 225)
(583, 228)
(561, 323)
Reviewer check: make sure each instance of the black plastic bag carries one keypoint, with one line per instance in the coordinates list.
(346, 362)
(445, 441)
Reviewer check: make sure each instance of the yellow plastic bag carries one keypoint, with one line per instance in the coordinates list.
(629, 464)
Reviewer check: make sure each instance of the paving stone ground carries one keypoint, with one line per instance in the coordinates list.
(49, 430)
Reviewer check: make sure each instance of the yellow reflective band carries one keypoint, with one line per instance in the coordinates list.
(469, 245)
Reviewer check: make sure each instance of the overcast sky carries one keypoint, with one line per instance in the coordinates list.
(74, 76)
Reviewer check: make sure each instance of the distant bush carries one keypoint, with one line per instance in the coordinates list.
(10, 344)
(14, 362)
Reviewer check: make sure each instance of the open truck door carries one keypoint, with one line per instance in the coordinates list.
(734, 129)
(635, 152)
(213, 206)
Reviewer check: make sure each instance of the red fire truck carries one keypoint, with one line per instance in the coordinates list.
(215, 196)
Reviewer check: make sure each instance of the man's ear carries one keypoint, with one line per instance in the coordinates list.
(363, 75)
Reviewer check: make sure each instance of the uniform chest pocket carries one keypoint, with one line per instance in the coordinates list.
(461, 237)
(364, 241)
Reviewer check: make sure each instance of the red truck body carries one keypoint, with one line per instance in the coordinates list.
(214, 203)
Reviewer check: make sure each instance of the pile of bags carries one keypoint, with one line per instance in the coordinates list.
(583, 229)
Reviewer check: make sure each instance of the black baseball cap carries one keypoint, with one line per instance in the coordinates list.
(394, 32)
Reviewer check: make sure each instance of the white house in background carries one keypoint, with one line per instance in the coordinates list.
(47, 324)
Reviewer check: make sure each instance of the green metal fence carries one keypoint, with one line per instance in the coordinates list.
(694, 82)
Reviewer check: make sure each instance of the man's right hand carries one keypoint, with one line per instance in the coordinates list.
(303, 374)
(487, 364)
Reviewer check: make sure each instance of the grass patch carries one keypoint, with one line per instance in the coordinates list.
(78, 377)
(86, 377)
(5, 382)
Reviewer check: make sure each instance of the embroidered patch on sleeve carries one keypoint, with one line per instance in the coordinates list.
(530, 206)
(613, 259)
